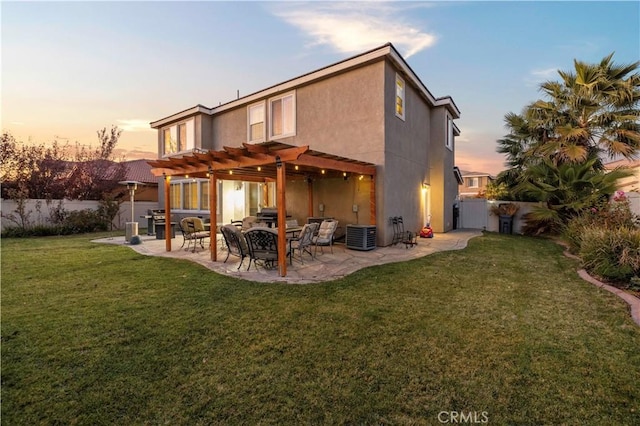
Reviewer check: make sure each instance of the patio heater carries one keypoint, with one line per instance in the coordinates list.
(131, 228)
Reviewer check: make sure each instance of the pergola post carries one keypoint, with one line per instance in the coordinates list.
(310, 192)
(213, 215)
(167, 213)
(372, 201)
(282, 216)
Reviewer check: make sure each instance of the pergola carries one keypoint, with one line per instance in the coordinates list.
(267, 162)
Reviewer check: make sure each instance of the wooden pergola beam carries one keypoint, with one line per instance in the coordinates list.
(332, 164)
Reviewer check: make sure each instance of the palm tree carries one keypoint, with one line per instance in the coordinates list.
(566, 190)
(593, 110)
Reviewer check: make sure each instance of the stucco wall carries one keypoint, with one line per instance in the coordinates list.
(343, 115)
(338, 196)
(406, 158)
(443, 185)
(229, 128)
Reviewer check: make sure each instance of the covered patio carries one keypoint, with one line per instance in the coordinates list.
(267, 162)
(326, 267)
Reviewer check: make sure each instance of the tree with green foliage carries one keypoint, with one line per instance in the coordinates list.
(566, 190)
(555, 147)
(592, 112)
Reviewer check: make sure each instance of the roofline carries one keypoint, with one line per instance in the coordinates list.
(386, 50)
(180, 115)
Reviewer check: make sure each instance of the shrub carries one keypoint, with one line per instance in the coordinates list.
(542, 220)
(608, 216)
(505, 209)
(612, 254)
(83, 221)
(67, 223)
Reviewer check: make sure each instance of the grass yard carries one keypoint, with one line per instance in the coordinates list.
(504, 331)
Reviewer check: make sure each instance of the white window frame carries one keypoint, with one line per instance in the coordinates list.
(262, 137)
(174, 134)
(180, 208)
(291, 95)
(474, 182)
(401, 93)
(449, 133)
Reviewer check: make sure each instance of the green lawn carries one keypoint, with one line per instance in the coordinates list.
(503, 330)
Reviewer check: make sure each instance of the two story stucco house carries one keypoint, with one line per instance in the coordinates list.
(370, 111)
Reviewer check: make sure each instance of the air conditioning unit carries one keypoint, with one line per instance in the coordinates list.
(361, 237)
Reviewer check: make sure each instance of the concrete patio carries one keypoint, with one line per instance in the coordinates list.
(325, 267)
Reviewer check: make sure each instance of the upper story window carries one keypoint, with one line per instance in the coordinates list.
(178, 138)
(449, 138)
(256, 118)
(400, 105)
(473, 182)
(282, 116)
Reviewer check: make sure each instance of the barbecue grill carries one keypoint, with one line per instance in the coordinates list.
(153, 217)
(269, 215)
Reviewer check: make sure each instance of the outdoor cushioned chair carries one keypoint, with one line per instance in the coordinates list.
(263, 246)
(325, 235)
(194, 231)
(302, 242)
(236, 244)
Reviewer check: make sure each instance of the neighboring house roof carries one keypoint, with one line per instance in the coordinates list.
(458, 174)
(140, 170)
(630, 183)
(387, 50)
(136, 170)
(475, 174)
(622, 163)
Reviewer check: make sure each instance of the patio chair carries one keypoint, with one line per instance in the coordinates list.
(195, 231)
(263, 246)
(302, 242)
(236, 244)
(182, 226)
(325, 235)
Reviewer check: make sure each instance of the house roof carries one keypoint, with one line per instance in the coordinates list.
(474, 174)
(622, 163)
(387, 50)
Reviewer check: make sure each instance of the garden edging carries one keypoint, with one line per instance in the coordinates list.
(632, 301)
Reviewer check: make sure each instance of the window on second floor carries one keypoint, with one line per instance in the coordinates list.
(178, 138)
(256, 118)
(282, 116)
(473, 182)
(400, 106)
(449, 137)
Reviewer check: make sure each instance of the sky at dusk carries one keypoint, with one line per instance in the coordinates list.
(71, 68)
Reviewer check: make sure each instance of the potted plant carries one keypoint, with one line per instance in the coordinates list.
(505, 212)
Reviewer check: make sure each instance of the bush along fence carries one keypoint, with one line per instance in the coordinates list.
(607, 240)
(30, 217)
